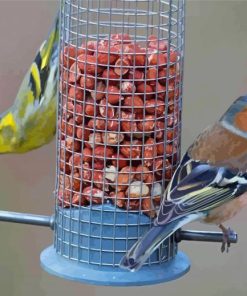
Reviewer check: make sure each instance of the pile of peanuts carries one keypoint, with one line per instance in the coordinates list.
(118, 137)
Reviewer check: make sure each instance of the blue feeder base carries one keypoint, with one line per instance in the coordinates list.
(109, 276)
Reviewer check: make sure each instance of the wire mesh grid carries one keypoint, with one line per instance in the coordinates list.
(119, 124)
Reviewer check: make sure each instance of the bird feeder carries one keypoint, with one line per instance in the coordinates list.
(118, 140)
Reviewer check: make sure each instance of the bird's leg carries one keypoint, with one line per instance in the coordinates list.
(226, 238)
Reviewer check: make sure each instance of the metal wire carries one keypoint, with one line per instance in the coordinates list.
(119, 123)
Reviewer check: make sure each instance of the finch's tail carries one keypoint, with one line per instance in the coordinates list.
(143, 248)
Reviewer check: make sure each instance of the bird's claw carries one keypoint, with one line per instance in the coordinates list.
(227, 232)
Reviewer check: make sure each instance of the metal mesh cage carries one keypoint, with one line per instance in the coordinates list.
(119, 119)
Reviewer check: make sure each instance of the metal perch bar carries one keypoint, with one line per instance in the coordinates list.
(204, 236)
(24, 218)
(41, 220)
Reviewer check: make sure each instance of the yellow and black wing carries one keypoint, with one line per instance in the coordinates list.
(32, 90)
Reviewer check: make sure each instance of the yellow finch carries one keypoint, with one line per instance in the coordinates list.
(210, 184)
(31, 121)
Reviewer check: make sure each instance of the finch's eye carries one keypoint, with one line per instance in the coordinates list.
(240, 120)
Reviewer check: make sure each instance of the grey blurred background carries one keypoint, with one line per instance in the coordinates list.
(215, 74)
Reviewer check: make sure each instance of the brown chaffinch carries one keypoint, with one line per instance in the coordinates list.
(210, 184)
